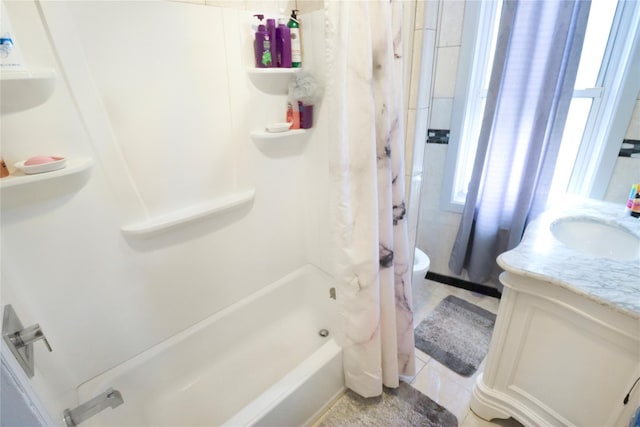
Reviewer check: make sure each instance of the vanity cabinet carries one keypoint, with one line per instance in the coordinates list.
(558, 358)
(565, 349)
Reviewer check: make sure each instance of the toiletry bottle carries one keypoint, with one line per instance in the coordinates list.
(4, 172)
(630, 199)
(262, 46)
(283, 43)
(293, 114)
(635, 207)
(271, 31)
(296, 42)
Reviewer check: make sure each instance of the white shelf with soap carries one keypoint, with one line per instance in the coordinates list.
(262, 135)
(24, 89)
(72, 166)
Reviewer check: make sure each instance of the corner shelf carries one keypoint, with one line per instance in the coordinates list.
(183, 216)
(274, 81)
(25, 89)
(73, 166)
(260, 135)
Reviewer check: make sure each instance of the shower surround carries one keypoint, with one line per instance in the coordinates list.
(164, 108)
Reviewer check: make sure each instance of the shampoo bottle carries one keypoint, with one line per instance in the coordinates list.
(262, 46)
(283, 44)
(271, 31)
(296, 43)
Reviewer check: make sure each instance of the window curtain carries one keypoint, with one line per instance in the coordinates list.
(530, 89)
(366, 142)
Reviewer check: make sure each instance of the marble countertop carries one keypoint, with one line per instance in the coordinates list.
(541, 256)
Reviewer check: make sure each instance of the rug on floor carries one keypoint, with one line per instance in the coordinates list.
(457, 334)
(400, 407)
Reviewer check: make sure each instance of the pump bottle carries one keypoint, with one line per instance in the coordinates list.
(296, 42)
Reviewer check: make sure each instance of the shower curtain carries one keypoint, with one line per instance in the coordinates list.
(366, 141)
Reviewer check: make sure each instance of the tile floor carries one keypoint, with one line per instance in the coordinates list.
(435, 380)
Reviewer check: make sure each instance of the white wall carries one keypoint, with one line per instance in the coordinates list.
(157, 94)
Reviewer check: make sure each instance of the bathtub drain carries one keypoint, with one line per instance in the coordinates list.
(323, 333)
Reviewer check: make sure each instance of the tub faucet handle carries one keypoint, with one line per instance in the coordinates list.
(30, 335)
(20, 339)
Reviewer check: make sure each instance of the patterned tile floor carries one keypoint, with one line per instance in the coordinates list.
(433, 379)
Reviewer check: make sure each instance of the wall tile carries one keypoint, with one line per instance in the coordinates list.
(409, 141)
(420, 14)
(436, 228)
(420, 136)
(625, 173)
(451, 23)
(426, 68)
(441, 113)
(413, 206)
(431, 14)
(446, 72)
(633, 131)
(416, 59)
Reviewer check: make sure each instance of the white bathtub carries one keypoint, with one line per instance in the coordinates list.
(259, 362)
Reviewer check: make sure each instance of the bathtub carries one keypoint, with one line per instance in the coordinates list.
(259, 362)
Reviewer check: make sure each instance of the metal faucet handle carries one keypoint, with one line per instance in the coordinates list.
(30, 335)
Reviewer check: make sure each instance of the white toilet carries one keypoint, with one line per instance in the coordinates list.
(421, 264)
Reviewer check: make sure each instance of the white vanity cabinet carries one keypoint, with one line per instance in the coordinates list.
(557, 358)
(564, 352)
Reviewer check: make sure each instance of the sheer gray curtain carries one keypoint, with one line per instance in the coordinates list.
(534, 70)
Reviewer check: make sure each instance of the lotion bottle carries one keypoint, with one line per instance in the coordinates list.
(296, 42)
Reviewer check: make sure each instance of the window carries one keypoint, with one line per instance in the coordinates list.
(605, 92)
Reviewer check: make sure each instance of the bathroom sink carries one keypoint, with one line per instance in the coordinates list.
(593, 236)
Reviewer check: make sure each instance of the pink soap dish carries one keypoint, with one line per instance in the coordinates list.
(40, 164)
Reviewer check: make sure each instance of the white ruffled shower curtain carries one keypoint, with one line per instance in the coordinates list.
(364, 90)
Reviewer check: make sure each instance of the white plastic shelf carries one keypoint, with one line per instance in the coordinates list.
(21, 90)
(260, 135)
(73, 166)
(274, 81)
(180, 217)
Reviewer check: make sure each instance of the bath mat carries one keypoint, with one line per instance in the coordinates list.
(456, 334)
(401, 407)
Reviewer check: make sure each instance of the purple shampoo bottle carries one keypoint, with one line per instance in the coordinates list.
(262, 46)
(283, 43)
(271, 31)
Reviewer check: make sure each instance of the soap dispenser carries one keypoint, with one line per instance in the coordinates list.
(262, 46)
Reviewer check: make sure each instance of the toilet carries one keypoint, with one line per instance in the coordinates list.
(421, 264)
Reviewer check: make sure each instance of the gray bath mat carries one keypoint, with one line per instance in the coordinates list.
(456, 334)
(401, 407)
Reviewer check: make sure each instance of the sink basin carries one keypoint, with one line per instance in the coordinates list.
(592, 236)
